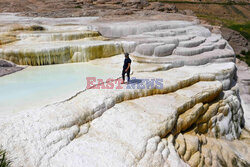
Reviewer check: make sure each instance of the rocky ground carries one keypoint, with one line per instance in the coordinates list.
(243, 74)
(236, 40)
(75, 8)
(7, 67)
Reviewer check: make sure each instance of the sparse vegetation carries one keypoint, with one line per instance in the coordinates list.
(230, 14)
(3, 161)
(244, 29)
(37, 28)
(202, 2)
(245, 57)
(28, 28)
(78, 6)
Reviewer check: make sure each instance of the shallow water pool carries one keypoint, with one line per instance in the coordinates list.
(38, 86)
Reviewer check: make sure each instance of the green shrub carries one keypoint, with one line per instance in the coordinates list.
(37, 28)
(245, 57)
(28, 28)
(243, 29)
(78, 6)
(3, 161)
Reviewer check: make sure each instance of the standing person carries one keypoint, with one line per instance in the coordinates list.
(126, 67)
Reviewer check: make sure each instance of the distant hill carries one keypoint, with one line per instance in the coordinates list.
(208, 1)
(34, 5)
(68, 8)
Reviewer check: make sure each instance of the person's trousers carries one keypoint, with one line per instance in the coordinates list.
(128, 74)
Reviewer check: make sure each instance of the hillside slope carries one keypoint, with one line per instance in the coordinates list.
(38, 7)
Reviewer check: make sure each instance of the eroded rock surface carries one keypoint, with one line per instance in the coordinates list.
(7, 67)
(124, 128)
(173, 42)
(236, 40)
(243, 73)
(194, 117)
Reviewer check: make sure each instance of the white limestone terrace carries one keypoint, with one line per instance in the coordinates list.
(125, 28)
(195, 118)
(44, 53)
(180, 48)
(112, 129)
(13, 18)
(59, 36)
(243, 74)
(173, 42)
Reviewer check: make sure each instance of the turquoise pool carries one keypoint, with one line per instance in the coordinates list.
(38, 86)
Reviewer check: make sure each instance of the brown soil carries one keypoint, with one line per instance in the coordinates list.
(236, 40)
(217, 14)
(77, 8)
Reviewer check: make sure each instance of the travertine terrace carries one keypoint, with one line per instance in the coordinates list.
(195, 119)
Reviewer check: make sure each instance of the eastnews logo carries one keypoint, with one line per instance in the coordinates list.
(94, 83)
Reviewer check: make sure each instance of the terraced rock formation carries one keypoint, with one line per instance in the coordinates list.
(192, 117)
(174, 42)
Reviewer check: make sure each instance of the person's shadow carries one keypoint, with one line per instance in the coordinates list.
(135, 81)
